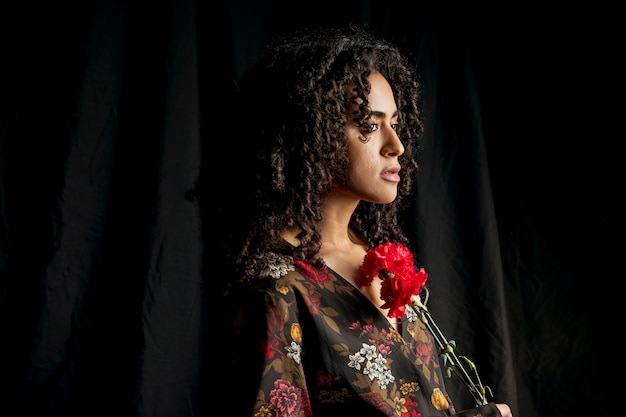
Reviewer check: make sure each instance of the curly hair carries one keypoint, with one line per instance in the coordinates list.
(294, 103)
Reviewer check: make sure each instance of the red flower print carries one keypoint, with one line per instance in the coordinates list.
(377, 401)
(313, 273)
(270, 348)
(411, 409)
(384, 349)
(324, 379)
(306, 403)
(424, 351)
(275, 321)
(285, 399)
(313, 298)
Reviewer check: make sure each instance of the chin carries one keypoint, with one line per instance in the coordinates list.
(384, 200)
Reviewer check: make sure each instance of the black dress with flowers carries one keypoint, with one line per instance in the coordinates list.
(308, 343)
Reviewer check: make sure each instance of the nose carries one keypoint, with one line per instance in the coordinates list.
(393, 145)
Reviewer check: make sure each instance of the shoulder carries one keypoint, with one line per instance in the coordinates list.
(275, 265)
(278, 269)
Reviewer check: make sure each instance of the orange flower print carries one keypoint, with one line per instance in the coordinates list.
(439, 400)
(296, 332)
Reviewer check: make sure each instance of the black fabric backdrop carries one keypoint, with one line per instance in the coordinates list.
(113, 112)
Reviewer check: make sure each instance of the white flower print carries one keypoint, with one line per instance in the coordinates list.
(356, 360)
(276, 266)
(410, 314)
(294, 352)
(375, 367)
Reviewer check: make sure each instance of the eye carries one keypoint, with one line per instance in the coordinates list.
(372, 127)
(394, 126)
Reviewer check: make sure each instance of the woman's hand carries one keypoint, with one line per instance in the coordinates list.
(505, 410)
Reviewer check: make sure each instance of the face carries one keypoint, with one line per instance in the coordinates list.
(373, 172)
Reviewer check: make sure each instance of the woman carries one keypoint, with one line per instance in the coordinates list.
(331, 129)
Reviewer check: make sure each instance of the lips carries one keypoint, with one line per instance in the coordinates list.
(391, 174)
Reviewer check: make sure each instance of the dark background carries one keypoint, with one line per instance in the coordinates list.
(114, 115)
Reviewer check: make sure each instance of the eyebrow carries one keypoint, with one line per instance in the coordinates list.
(382, 114)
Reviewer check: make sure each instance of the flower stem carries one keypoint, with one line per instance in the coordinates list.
(451, 361)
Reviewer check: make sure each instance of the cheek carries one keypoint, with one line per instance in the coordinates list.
(361, 164)
(362, 155)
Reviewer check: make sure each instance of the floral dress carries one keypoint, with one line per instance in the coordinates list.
(308, 343)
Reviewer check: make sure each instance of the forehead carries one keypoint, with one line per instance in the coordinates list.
(380, 98)
(381, 95)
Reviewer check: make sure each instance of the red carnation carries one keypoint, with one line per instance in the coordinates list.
(394, 264)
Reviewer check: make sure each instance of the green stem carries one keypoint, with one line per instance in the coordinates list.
(451, 361)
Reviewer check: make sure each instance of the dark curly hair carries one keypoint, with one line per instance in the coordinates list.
(290, 122)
